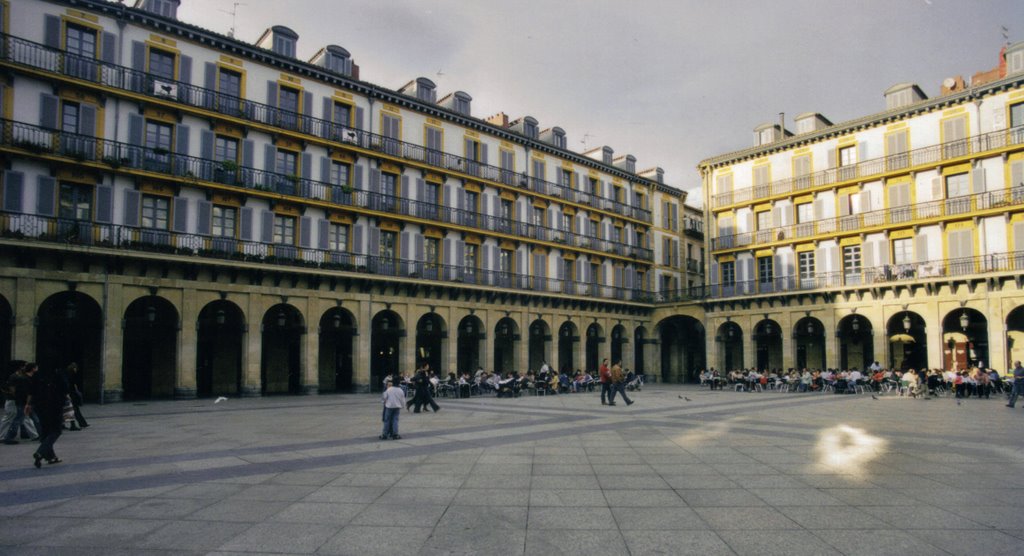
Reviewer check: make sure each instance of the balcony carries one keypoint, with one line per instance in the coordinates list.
(38, 57)
(693, 228)
(29, 228)
(876, 167)
(1011, 262)
(125, 156)
(868, 222)
(694, 266)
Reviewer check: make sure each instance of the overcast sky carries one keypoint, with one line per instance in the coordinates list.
(669, 81)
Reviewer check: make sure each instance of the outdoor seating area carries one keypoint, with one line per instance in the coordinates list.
(513, 385)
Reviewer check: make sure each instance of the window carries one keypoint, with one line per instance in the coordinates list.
(342, 114)
(565, 178)
(339, 173)
(284, 230)
(595, 273)
(75, 201)
(666, 252)
(764, 220)
(161, 64)
(1017, 115)
(804, 212)
(954, 134)
(538, 216)
(568, 271)
(508, 165)
(337, 237)
(729, 273)
(505, 259)
(469, 258)
(158, 144)
(223, 220)
(284, 46)
(567, 222)
(69, 117)
(80, 42)
(473, 201)
(592, 227)
(155, 212)
(225, 149)
(896, 150)
(847, 156)
(287, 163)
(592, 186)
(230, 88)
(432, 199)
(505, 210)
(390, 126)
(957, 185)
(852, 261)
(388, 245)
(802, 171)
(765, 270)
(388, 191)
(806, 261)
(432, 252)
(288, 102)
(902, 251)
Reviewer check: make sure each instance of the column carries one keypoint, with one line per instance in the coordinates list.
(451, 343)
(311, 351)
(252, 350)
(831, 341)
(579, 357)
(25, 308)
(185, 380)
(712, 347)
(522, 346)
(361, 347)
(749, 347)
(788, 343)
(113, 343)
(934, 332)
(628, 349)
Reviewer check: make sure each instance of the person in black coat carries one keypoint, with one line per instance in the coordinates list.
(422, 385)
(49, 392)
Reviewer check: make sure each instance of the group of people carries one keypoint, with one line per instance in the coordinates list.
(978, 382)
(38, 405)
(425, 384)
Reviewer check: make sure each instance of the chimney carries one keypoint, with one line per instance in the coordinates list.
(500, 119)
(952, 85)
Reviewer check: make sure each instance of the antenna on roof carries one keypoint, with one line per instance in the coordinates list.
(233, 12)
(584, 140)
(1006, 34)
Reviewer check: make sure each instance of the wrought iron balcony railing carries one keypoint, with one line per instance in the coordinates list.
(943, 208)
(21, 52)
(884, 274)
(185, 168)
(71, 232)
(871, 169)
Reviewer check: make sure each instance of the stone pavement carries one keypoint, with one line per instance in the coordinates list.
(724, 473)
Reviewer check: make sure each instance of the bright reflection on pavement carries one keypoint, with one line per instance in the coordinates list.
(848, 449)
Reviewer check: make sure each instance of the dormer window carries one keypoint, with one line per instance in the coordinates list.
(558, 138)
(1015, 58)
(284, 46)
(530, 127)
(165, 8)
(280, 39)
(461, 103)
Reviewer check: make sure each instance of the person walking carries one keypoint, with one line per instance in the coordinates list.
(421, 382)
(394, 400)
(605, 376)
(1018, 383)
(18, 390)
(75, 392)
(618, 385)
(49, 392)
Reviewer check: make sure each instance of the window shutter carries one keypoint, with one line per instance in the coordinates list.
(967, 243)
(14, 184)
(749, 221)
(269, 159)
(45, 193)
(937, 192)
(51, 31)
(328, 112)
(135, 125)
(307, 103)
(131, 208)
(405, 187)
(862, 151)
(323, 229)
(272, 93)
(405, 244)
(248, 147)
(868, 256)
(359, 118)
(325, 169)
(180, 215)
(1017, 173)
(420, 251)
(87, 120)
(921, 249)
(138, 56)
(483, 153)
(306, 232)
(374, 184)
(883, 252)
(104, 204)
(203, 217)
(210, 76)
(206, 144)
(844, 204)
(539, 266)
(246, 223)
(267, 227)
(819, 209)
(1018, 237)
(831, 158)
(185, 70)
(978, 180)
(357, 176)
(181, 134)
(307, 166)
(357, 238)
(776, 217)
(834, 257)
(449, 252)
(748, 274)
(373, 241)
(49, 110)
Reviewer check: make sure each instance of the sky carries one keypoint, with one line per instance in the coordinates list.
(671, 82)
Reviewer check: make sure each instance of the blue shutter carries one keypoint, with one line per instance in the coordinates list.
(109, 48)
(131, 208)
(267, 226)
(210, 82)
(104, 204)
(359, 118)
(374, 185)
(307, 111)
(185, 70)
(245, 224)
(420, 250)
(87, 120)
(405, 190)
(269, 162)
(323, 229)
(49, 110)
(272, 93)
(248, 148)
(449, 251)
(357, 176)
(306, 232)
(203, 217)
(373, 241)
(14, 184)
(45, 196)
(357, 238)
(328, 109)
(181, 134)
(135, 126)
(180, 224)
(206, 144)
(325, 169)
(138, 56)
(483, 153)
(51, 31)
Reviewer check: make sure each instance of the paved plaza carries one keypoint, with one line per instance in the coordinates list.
(722, 473)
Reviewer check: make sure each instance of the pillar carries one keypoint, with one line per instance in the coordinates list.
(361, 347)
(831, 341)
(188, 324)
(712, 347)
(788, 343)
(749, 346)
(112, 343)
(311, 350)
(522, 346)
(934, 336)
(252, 350)
(25, 307)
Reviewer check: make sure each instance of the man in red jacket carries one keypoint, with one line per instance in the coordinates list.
(605, 375)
